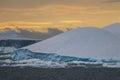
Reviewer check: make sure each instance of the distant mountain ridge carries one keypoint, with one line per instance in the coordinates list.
(114, 28)
(12, 35)
(10, 41)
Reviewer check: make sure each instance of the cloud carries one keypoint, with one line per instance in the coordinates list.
(35, 3)
(70, 21)
(112, 1)
(25, 23)
(54, 12)
(39, 26)
(35, 34)
(39, 35)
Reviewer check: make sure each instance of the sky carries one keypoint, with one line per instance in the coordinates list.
(41, 15)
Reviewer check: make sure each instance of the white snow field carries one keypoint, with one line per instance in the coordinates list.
(114, 28)
(82, 42)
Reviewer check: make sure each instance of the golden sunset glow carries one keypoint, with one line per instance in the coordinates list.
(39, 15)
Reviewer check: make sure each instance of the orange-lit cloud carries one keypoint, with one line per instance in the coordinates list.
(71, 21)
(43, 27)
(57, 10)
(89, 15)
(39, 15)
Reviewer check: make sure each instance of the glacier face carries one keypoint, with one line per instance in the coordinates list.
(26, 55)
(23, 54)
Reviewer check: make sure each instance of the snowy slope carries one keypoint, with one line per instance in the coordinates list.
(114, 28)
(82, 42)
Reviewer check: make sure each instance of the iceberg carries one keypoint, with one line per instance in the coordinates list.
(89, 46)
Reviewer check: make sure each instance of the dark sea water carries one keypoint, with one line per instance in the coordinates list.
(76, 73)
(52, 73)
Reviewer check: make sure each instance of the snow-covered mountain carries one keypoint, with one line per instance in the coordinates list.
(114, 28)
(82, 42)
(84, 47)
